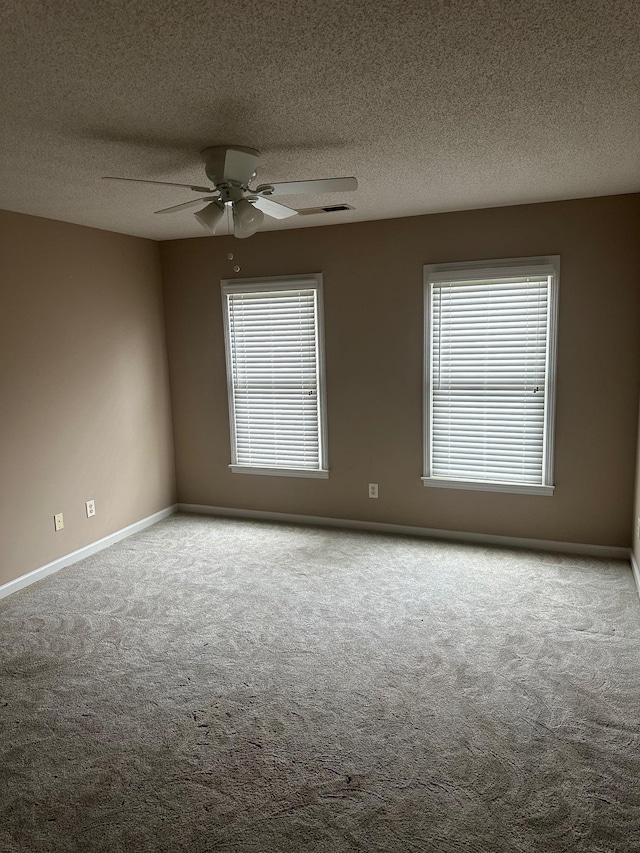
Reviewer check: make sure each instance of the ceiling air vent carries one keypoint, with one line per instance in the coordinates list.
(333, 208)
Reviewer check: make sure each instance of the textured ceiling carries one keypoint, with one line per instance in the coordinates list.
(434, 105)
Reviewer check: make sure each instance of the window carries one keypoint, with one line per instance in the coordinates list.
(273, 338)
(490, 343)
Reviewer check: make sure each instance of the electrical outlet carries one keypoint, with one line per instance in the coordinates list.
(58, 521)
(373, 490)
(638, 527)
(91, 508)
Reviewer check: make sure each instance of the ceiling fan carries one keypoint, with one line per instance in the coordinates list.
(230, 168)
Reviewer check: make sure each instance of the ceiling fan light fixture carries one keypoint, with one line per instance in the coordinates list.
(210, 216)
(246, 218)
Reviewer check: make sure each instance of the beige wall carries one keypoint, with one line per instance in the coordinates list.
(84, 394)
(373, 319)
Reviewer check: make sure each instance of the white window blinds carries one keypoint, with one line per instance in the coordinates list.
(488, 382)
(273, 363)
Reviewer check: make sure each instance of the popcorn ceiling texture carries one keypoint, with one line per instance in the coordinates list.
(433, 106)
(216, 685)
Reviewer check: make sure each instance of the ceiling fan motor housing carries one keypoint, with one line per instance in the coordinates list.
(230, 164)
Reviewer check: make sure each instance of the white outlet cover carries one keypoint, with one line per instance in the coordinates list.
(58, 521)
(91, 508)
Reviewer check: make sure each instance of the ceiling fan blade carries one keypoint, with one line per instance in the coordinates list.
(240, 164)
(322, 185)
(184, 204)
(272, 208)
(164, 183)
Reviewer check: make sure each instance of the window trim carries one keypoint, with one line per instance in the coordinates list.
(306, 281)
(461, 271)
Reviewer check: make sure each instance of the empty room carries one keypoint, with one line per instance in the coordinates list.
(319, 399)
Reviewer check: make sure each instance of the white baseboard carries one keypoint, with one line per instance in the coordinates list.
(635, 569)
(610, 551)
(81, 553)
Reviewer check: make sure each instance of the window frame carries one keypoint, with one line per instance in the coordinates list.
(476, 270)
(306, 281)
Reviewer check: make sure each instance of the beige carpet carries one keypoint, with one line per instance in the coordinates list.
(216, 685)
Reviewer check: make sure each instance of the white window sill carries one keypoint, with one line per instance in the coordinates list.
(478, 486)
(281, 472)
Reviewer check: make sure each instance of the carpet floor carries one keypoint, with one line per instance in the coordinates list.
(243, 687)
